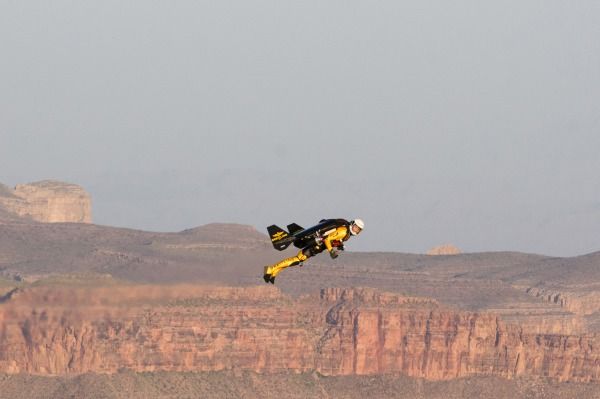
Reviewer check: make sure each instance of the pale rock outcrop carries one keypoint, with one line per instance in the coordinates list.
(48, 201)
(447, 249)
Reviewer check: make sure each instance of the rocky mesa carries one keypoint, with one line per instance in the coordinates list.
(47, 201)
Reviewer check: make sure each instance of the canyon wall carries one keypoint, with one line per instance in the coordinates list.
(61, 331)
(48, 201)
(579, 300)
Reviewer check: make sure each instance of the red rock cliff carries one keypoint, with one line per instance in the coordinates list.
(49, 330)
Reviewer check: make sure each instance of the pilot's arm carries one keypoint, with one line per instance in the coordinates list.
(337, 235)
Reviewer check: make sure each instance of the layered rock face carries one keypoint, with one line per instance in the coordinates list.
(48, 201)
(445, 344)
(58, 330)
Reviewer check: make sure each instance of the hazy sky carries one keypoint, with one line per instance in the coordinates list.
(468, 122)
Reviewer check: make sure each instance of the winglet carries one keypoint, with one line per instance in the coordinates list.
(294, 228)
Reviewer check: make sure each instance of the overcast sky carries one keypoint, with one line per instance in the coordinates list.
(466, 122)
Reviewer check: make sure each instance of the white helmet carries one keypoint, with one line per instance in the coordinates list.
(358, 223)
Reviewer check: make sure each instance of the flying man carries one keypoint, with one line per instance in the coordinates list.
(329, 234)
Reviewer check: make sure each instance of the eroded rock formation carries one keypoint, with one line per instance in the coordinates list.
(59, 330)
(446, 249)
(48, 201)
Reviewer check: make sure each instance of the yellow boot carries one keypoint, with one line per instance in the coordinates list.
(272, 271)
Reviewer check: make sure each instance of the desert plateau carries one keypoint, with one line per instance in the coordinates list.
(112, 312)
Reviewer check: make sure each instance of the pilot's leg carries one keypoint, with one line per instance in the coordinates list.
(272, 271)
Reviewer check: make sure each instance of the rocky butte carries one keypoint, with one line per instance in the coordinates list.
(48, 201)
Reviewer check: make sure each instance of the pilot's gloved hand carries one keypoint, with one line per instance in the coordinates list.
(341, 248)
(333, 253)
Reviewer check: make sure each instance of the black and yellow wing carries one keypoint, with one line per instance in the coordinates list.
(280, 238)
